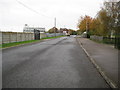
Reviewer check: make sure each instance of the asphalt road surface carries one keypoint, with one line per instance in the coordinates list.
(57, 63)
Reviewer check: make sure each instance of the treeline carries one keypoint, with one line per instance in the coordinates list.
(56, 30)
(106, 23)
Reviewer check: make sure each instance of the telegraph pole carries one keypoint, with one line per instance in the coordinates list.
(87, 28)
(55, 26)
(55, 22)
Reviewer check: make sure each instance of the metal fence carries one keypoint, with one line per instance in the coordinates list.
(109, 40)
(96, 38)
(54, 34)
(115, 41)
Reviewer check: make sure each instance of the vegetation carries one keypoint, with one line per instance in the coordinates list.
(106, 23)
(17, 43)
(96, 26)
(53, 30)
(72, 32)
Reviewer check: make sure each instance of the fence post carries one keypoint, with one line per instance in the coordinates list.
(21, 36)
(16, 36)
(9, 37)
(2, 37)
(25, 37)
(28, 36)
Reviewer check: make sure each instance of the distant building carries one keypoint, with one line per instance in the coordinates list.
(31, 29)
(64, 31)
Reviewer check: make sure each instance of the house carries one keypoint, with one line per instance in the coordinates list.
(65, 31)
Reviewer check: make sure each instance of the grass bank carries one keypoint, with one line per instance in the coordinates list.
(5, 45)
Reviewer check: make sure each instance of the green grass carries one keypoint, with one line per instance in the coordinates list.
(16, 43)
(5, 45)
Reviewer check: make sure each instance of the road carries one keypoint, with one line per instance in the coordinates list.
(57, 63)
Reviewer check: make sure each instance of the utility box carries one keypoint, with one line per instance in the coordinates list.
(36, 34)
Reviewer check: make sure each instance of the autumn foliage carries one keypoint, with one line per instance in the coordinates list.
(104, 22)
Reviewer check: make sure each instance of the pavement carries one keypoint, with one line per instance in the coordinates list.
(105, 58)
(57, 63)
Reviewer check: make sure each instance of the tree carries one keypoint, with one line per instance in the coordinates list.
(106, 23)
(113, 11)
(72, 32)
(104, 20)
(85, 24)
(53, 30)
(79, 32)
(95, 27)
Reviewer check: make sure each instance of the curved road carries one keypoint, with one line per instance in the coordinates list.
(57, 63)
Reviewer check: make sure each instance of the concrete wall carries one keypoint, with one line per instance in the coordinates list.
(8, 37)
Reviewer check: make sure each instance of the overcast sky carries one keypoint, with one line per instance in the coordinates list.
(41, 13)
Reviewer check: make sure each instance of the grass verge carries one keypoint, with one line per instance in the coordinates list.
(6, 45)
